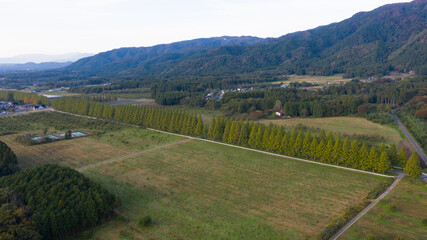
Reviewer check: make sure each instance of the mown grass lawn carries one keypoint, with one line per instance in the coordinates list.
(199, 190)
(400, 214)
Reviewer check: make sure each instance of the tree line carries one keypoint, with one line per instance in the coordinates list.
(323, 147)
(154, 117)
(21, 97)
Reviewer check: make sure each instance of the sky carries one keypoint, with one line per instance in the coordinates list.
(92, 26)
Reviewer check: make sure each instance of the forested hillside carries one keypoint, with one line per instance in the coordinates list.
(390, 37)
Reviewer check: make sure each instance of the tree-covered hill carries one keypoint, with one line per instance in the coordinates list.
(390, 37)
(62, 201)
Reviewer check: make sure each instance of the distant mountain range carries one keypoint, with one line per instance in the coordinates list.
(392, 37)
(43, 58)
(25, 67)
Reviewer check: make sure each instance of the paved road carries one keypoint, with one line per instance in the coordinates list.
(369, 207)
(129, 156)
(413, 142)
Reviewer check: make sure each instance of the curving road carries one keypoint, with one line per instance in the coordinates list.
(413, 142)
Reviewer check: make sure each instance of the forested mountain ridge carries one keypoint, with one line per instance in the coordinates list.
(390, 37)
(123, 59)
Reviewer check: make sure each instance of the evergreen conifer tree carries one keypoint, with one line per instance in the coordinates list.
(354, 155)
(412, 167)
(392, 155)
(384, 163)
(372, 159)
(336, 155)
(313, 148)
(345, 149)
(402, 158)
(364, 158)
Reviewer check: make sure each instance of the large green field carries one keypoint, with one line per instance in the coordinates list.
(403, 214)
(193, 189)
(199, 190)
(351, 126)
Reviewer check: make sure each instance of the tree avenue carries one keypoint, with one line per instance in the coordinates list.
(326, 148)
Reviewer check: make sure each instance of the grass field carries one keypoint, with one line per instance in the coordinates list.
(52, 121)
(140, 101)
(345, 125)
(206, 114)
(80, 152)
(199, 190)
(400, 214)
(314, 79)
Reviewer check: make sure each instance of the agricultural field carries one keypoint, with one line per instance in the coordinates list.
(200, 190)
(346, 126)
(140, 101)
(314, 79)
(206, 114)
(400, 214)
(109, 140)
(52, 121)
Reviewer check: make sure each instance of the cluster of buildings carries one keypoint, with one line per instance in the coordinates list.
(214, 95)
(217, 94)
(8, 108)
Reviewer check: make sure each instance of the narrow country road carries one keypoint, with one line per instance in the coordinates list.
(413, 142)
(130, 155)
(369, 207)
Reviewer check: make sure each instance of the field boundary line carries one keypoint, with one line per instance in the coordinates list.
(245, 148)
(274, 154)
(130, 155)
(369, 207)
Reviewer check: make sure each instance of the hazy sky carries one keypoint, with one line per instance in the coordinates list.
(62, 26)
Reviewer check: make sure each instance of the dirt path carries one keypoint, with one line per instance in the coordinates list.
(369, 207)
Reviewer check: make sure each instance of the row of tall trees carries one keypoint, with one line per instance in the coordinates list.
(324, 148)
(62, 200)
(327, 148)
(22, 97)
(159, 118)
(8, 160)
